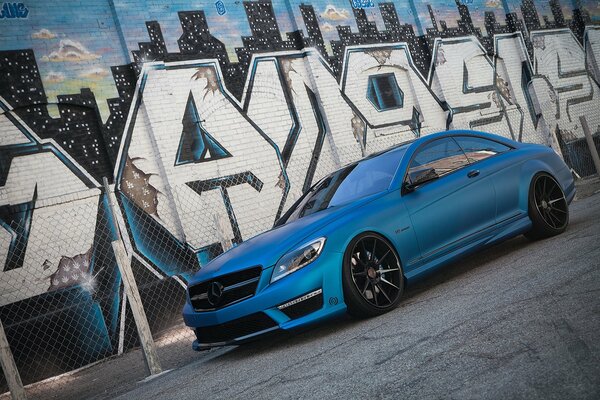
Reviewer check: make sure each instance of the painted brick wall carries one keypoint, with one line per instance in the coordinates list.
(211, 119)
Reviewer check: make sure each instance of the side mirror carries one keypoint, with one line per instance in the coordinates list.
(419, 178)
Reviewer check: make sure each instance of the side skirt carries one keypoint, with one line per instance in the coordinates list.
(506, 229)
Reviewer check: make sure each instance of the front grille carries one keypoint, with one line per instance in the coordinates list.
(232, 287)
(304, 307)
(237, 328)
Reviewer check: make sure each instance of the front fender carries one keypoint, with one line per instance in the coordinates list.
(386, 216)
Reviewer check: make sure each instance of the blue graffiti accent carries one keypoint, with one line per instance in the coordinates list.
(312, 167)
(13, 11)
(220, 6)
(468, 89)
(77, 320)
(413, 11)
(363, 4)
(207, 253)
(101, 342)
(196, 144)
(168, 254)
(592, 64)
(106, 233)
(135, 108)
(415, 123)
(383, 92)
(526, 78)
(409, 122)
(16, 220)
(222, 184)
(284, 155)
(296, 127)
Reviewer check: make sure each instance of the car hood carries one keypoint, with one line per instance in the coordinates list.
(266, 248)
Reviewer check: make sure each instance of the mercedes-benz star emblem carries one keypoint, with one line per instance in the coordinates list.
(214, 294)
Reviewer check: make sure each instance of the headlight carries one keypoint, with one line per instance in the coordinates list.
(296, 259)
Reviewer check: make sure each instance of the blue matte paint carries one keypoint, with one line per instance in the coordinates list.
(415, 14)
(435, 224)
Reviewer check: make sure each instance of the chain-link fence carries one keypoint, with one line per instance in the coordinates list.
(577, 155)
(59, 287)
(62, 299)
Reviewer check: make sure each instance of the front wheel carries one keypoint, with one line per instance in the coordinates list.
(548, 207)
(372, 276)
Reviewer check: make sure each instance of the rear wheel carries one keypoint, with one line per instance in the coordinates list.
(548, 207)
(372, 276)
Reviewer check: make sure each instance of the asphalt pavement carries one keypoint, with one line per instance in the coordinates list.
(519, 320)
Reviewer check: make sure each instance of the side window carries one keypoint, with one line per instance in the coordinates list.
(478, 149)
(443, 155)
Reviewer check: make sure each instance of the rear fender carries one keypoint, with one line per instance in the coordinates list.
(528, 171)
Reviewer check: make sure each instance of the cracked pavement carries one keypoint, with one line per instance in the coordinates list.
(519, 320)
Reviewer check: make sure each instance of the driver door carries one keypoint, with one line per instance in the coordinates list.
(456, 205)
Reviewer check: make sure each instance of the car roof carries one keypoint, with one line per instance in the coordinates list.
(395, 147)
(426, 138)
(466, 132)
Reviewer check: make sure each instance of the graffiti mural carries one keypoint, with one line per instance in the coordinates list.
(208, 145)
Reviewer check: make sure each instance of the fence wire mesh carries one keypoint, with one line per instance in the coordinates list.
(60, 290)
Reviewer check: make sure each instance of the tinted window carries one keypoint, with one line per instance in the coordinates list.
(478, 149)
(443, 155)
(364, 178)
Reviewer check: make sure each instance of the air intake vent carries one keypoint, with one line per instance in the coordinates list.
(235, 329)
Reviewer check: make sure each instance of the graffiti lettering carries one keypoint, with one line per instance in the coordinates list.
(363, 4)
(220, 6)
(13, 10)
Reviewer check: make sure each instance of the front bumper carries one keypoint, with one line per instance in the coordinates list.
(323, 275)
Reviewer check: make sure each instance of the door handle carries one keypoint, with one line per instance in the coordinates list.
(473, 173)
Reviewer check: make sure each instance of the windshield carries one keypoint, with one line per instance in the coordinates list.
(369, 176)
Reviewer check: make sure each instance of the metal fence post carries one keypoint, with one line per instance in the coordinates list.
(132, 292)
(590, 142)
(15, 385)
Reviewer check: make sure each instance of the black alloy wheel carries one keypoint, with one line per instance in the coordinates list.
(548, 207)
(373, 277)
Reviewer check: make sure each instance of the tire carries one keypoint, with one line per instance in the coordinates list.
(373, 281)
(547, 206)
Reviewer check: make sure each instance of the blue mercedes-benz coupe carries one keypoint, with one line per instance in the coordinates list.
(354, 240)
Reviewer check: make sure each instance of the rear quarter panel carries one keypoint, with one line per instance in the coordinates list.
(543, 159)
